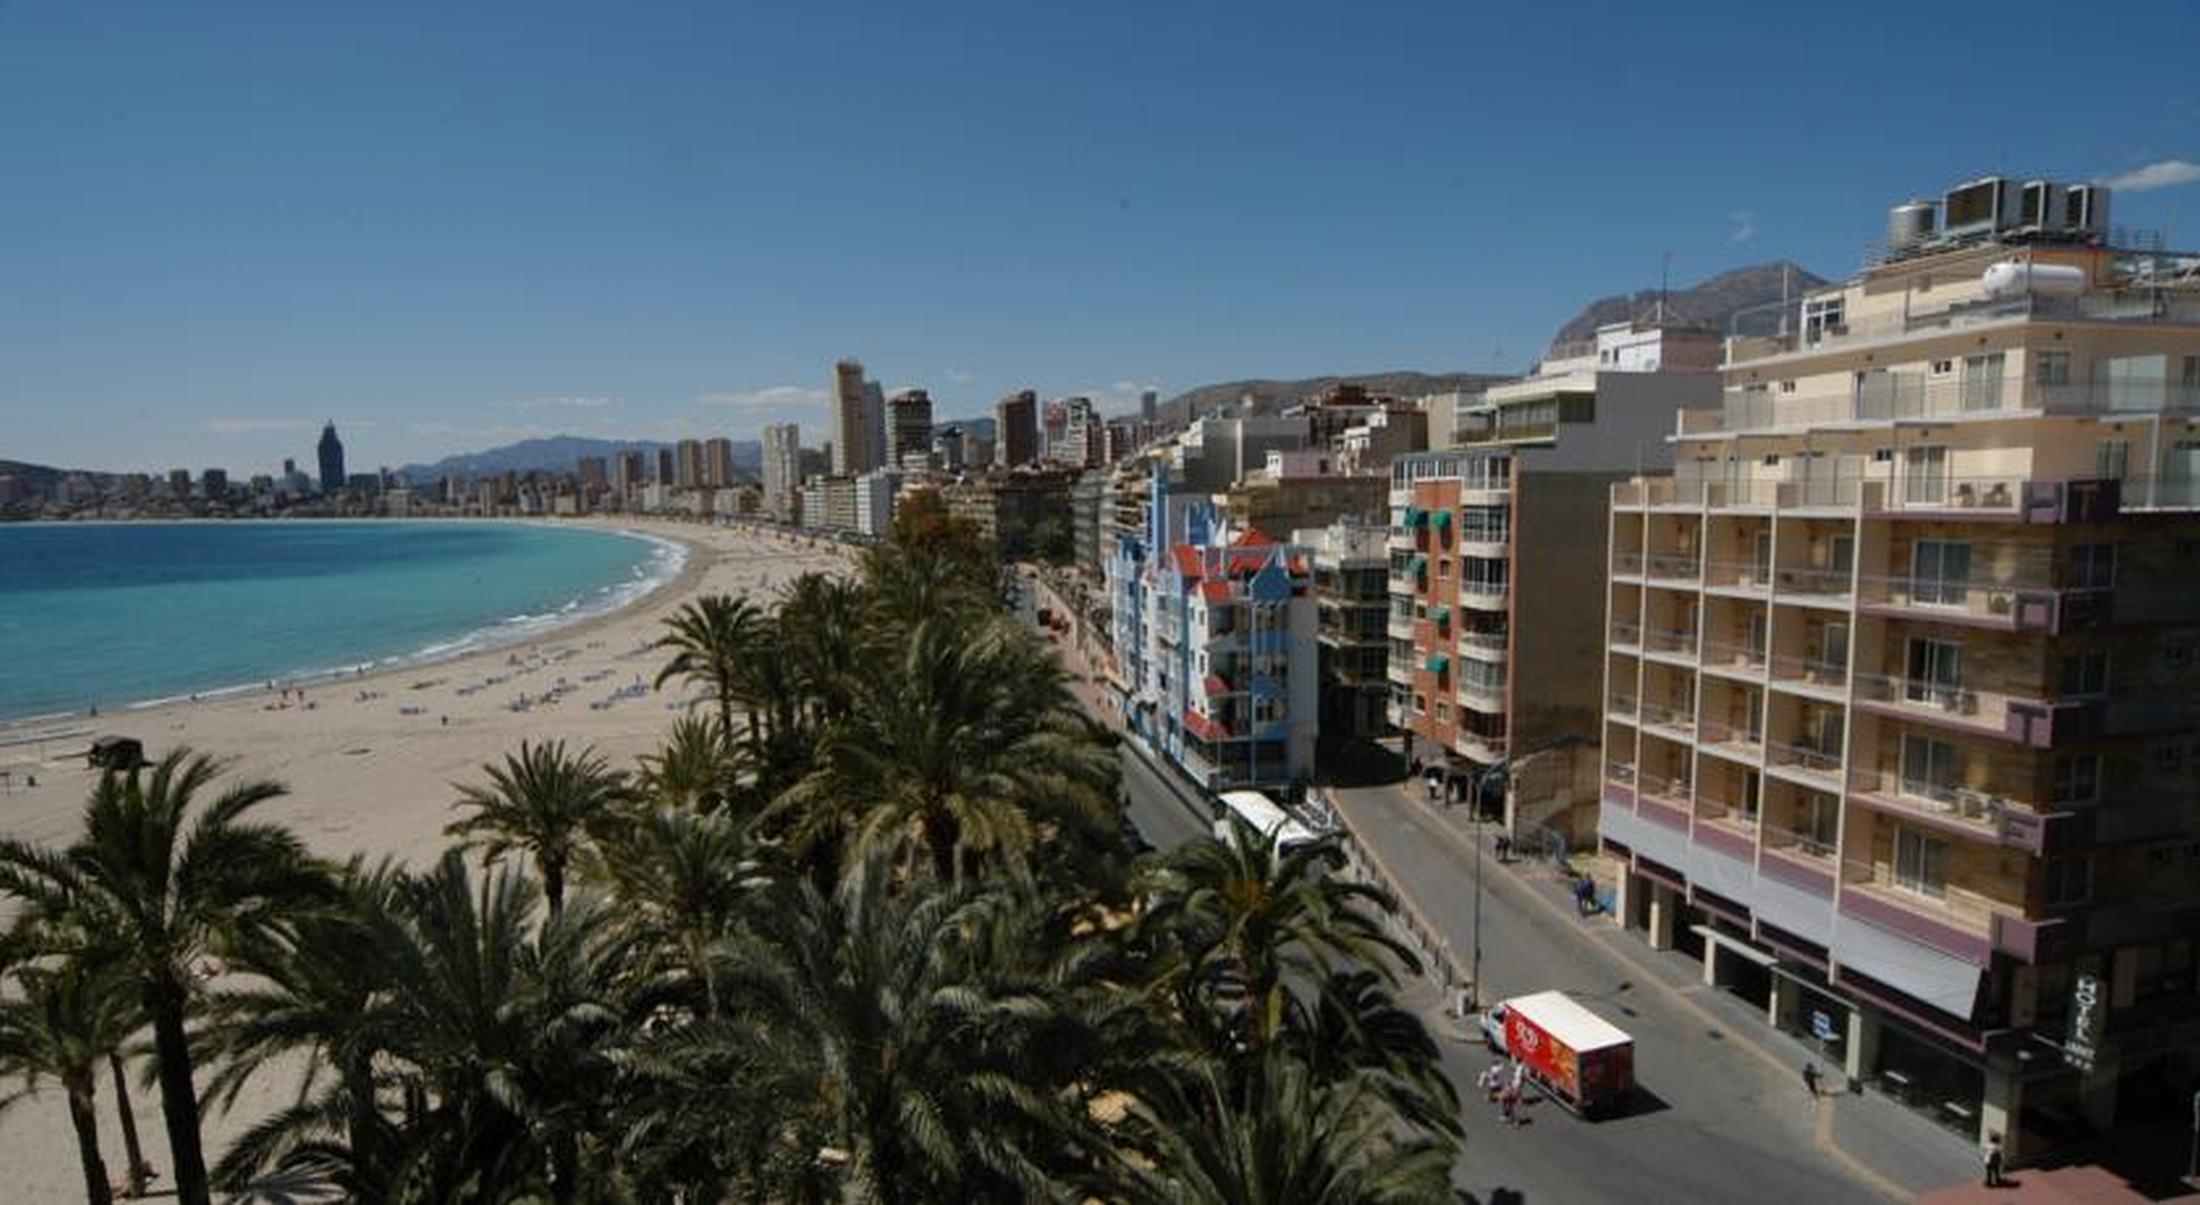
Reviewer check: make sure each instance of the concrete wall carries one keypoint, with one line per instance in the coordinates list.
(1558, 565)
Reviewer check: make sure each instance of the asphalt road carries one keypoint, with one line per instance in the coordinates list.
(1713, 1121)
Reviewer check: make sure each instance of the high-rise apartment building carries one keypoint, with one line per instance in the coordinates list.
(1054, 429)
(332, 460)
(1149, 404)
(718, 462)
(629, 471)
(782, 469)
(594, 474)
(1352, 608)
(855, 448)
(1214, 629)
(1476, 685)
(1016, 429)
(1900, 711)
(666, 469)
(688, 472)
(910, 426)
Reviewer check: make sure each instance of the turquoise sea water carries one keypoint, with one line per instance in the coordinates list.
(123, 613)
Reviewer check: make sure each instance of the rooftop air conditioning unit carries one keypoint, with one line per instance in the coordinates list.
(1984, 206)
(2085, 209)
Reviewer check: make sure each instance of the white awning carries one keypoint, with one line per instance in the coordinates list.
(1736, 945)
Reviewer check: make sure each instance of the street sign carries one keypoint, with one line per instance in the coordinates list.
(1821, 1026)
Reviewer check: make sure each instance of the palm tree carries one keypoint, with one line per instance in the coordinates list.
(940, 1073)
(1234, 922)
(693, 769)
(711, 639)
(818, 625)
(966, 747)
(545, 803)
(680, 881)
(64, 1022)
(158, 895)
(493, 1035)
(1198, 1141)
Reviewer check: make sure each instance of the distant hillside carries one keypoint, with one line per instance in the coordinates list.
(38, 476)
(1710, 303)
(1271, 395)
(559, 454)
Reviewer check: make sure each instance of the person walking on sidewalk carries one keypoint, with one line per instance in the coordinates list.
(1992, 1159)
(1810, 1081)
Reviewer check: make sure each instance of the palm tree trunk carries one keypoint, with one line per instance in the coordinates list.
(179, 1100)
(553, 886)
(86, 1121)
(140, 1172)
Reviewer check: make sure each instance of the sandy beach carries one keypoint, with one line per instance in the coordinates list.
(370, 762)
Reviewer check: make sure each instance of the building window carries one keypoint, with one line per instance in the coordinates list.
(2069, 881)
(2092, 566)
(1931, 769)
(2051, 368)
(1443, 713)
(2084, 674)
(2110, 459)
(2077, 778)
(1942, 368)
(1420, 704)
(1920, 863)
(1941, 572)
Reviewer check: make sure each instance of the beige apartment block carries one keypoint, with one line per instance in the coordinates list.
(1507, 525)
(1900, 694)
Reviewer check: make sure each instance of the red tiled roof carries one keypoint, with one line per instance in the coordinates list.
(1187, 560)
(1216, 686)
(1252, 537)
(1215, 591)
(1204, 728)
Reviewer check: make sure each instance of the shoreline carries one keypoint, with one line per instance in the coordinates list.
(480, 639)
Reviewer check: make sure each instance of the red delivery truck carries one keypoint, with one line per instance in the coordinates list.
(1583, 1061)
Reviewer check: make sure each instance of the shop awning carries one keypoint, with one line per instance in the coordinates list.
(1442, 519)
(1416, 517)
(1440, 614)
(1420, 563)
(1439, 662)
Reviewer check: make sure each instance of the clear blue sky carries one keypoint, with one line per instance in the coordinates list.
(448, 225)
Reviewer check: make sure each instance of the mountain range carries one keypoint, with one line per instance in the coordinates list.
(1710, 303)
(1269, 395)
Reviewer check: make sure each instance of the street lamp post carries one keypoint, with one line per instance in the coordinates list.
(1474, 814)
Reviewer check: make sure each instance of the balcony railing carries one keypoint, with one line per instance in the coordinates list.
(1729, 655)
(1627, 564)
(1485, 593)
(1484, 642)
(1664, 716)
(1626, 635)
(1811, 759)
(1810, 671)
(1965, 705)
(1712, 732)
(1722, 812)
(1621, 705)
(1673, 789)
(1671, 640)
(1831, 583)
(1674, 567)
(1622, 772)
(1888, 786)
(1976, 597)
(1942, 901)
(1738, 575)
(1798, 841)
(1893, 396)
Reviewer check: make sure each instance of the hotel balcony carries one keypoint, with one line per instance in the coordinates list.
(1813, 676)
(1485, 697)
(1492, 543)
(1988, 713)
(1738, 577)
(1906, 396)
(1398, 627)
(1486, 748)
(1672, 723)
(2129, 306)
(1484, 646)
(1738, 660)
(1625, 638)
(1804, 850)
(1687, 570)
(1807, 765)
(1621, 707)
(1673, 645)
(1483, 595)
(1665, 800)
(1823, 587)
(1630, 495)
(1732, 743)
(1730, 820)
(1955, 810)
(1627, 565)
(2007, 605)
(1943, 917)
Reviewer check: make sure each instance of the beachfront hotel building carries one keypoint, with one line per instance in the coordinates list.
(856, 448)
(909, 427)
(782, 470)
(1900, 681)
(1213, 626)
(1016, 428)
(1509, 524)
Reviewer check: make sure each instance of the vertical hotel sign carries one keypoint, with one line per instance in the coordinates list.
(2088, 1020)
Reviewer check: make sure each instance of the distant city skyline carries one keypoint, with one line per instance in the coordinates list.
(448, 230)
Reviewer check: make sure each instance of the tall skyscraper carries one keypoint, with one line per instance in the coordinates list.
(911, 428)
(690, 464)
(1016, 429)
(1054, 429)
(854, 447)
(1149, 402)
(874, 408)
(718, 462)
(782, 468)
(628, 471)
(332, 460)
(664, 466)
